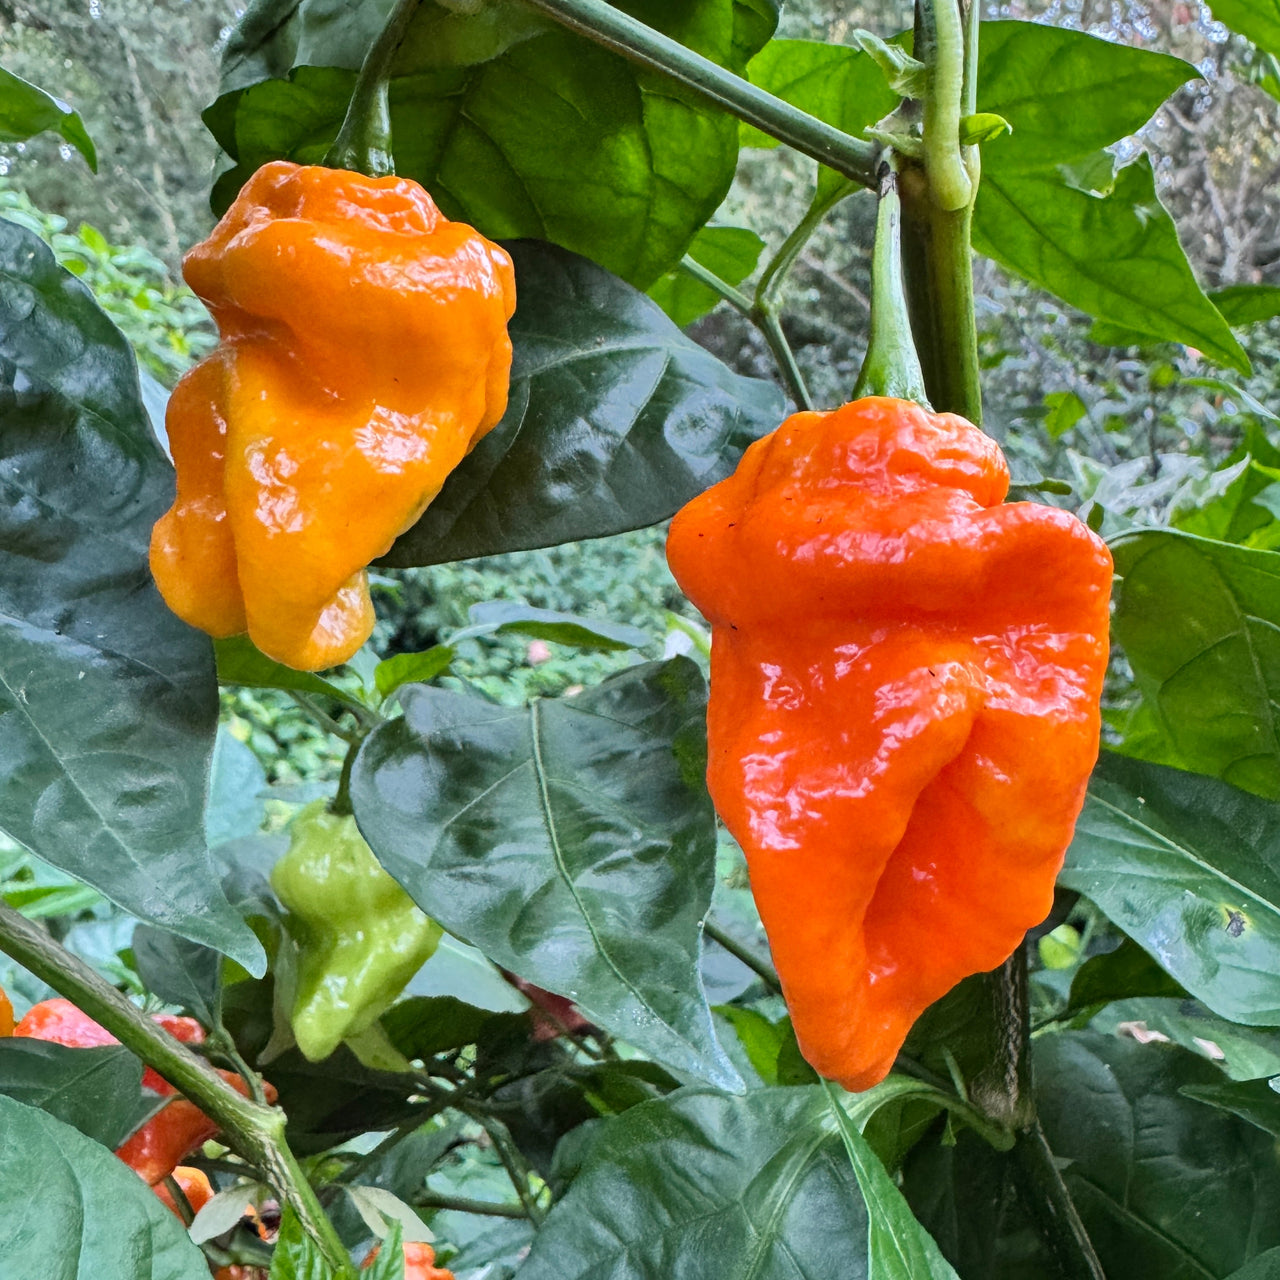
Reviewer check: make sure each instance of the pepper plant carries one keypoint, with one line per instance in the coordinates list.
(594, 1073)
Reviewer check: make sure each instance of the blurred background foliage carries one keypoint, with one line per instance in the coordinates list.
(1141, 433)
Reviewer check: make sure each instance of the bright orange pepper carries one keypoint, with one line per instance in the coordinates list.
(194, 1184)
(905, 677)
(419, 1262)
(6, 1014)
(364, 352)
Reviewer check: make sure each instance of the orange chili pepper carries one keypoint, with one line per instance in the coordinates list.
(364, 352)
(194, 1184)
(419, 1262)
(6, 1014)
(905, 677)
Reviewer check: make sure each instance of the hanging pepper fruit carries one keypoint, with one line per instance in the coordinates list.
(905, 678)
(419, 1262)
(194, 1185)
(6, 1014)
(360, 936)
(364, 352)
(155, 1149)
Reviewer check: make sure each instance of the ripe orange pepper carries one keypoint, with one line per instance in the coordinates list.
(6, 1014)
(194, 1184)
(419, 1262)
(905, 677)
(364, 352)
(179, 1127)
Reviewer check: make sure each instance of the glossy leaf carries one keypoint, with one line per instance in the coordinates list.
(1243, 304)
(75, 1212)
(572, 841)
(180, 972)
(1199, 622)
(728, 252)
(1256, 1101)
(492, 105)
(512, 618)
(1165, 1185)
(107, 700)
(704, 1184)
(1065, 93)
(616, 420)
(1189, 867)
(98, 1091)
(26, 110)
(1122, 974)
(240, 662)
(237, 782)
(412, 668)
(1117, 257)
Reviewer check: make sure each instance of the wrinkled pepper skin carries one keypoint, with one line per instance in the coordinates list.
(905, 678)
(360, 936)
(179, 1127)
(419, 1262)
(364, 352)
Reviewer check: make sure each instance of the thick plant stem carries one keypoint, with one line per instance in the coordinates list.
(940, 44)
(1051, 1205)
(363, 143)
(253, 1131)
(616, 30)
(891, 366)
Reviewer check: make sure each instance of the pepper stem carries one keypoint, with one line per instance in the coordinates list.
(891, 366)
(363, 144)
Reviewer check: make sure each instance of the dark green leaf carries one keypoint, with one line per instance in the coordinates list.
(791, 1065)
(235, 789)
(1117, 258)
(616, 420)
(1122, 974)
(26, 110)
(491, 106)
(1187, 866)
(1253, 1100)
(572, 841)
(1266, 1266)
(1065, 93)
(1256, 20)
(728, 252)
(703, 1184)
(1243, 304)
(107, 700)
(426, 1025)
(240, 662)
(98, 1091)
(510, 617)
(412, 668)
(1166, 1187)
(75, 1212)
(1199, 622)
(180, 972)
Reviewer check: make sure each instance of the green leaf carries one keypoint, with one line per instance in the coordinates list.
(26, 110)
(572, 841)
(1065, 410)
(412, 668)
(730, 252)
(704, 1184)
(1256, 20)
(180, 972)
(108, 701)
(426, 1025)
(1243, 304)
(389, 1264)
(1117, 258)
(296, 1256)
(98, 1091)
(1266, 1266)
(512, 618)
(236, 786)
(1187, 866)
(983, 126)
(616, 420)
(840, 85)
(1066, 94)
(1166, 1187)
(1122, 974)
(491, 106)
(760, 1038)
(75, 1212)
(1199, 622)
(240, 662)
(908, 77)
(1256, 1101)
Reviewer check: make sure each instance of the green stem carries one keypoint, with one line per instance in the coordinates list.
(942, 49)
(759, 966)
(782, 261)
(486, 1208)
(252, 1131)
(341, 802)
(514, 1164)
(363, 143)
(891, 366)
(765, 320)
(615, 30)
(322, 720)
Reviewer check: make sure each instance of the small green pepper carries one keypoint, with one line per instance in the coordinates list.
(360, 937)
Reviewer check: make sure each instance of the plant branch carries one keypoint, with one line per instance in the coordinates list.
(782, 261)
(252, 1131)
(607, 26)
(322, 720)
(757, 964)
(513, 1163)
(704, 275)
(487, 1208)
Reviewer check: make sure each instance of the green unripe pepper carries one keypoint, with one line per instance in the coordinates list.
(360, 936)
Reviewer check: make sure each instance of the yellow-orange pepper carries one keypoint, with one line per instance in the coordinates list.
(364, 352)
(905, 677)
